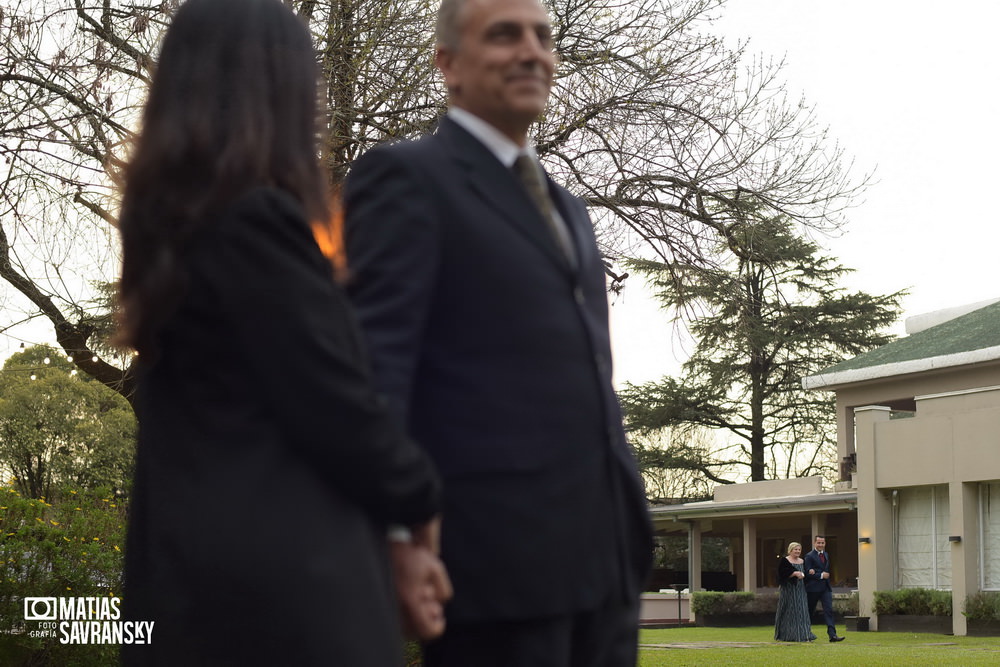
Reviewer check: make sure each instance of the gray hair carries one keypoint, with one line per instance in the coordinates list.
(448, 32)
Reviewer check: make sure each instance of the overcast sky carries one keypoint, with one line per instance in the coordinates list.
(908, 88)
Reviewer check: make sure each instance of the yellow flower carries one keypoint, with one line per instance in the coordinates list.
(112, 505)
(73, 492)
(67, 539)
(39, 520)
(53, 522)
(77, 509)
(68, 588)
(116, 548)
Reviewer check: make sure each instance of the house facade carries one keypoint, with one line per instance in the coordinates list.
(918, 423)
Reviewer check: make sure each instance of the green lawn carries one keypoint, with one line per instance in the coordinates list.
(742, 647)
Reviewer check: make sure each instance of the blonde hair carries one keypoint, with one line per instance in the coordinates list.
(792, 545)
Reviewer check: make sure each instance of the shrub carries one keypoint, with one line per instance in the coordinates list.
(714, 603)
(983, 606)
(912, 602)
(941, 603)
(69, 547)
(764, 603)
(846, 605)
(718, 603)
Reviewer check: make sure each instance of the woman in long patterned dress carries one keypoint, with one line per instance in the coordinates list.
(791, 622)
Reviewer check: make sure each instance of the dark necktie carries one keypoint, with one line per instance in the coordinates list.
(822, 557)
(531, 176)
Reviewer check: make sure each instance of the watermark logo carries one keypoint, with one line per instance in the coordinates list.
(41, 609)
(84, 620)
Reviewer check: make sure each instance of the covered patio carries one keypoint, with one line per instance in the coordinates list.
(759, 519)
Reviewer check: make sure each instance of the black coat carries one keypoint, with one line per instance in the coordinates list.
(266, 466)
(496, 355)
(785, 570)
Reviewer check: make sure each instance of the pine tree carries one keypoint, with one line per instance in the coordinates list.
(768, 312)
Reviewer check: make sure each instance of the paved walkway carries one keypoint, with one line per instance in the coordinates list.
(708, 645)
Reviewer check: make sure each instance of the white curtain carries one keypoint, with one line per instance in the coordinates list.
(989, 503)
(942, 525)
(923, 553)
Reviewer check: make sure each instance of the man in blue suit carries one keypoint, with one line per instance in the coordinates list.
(818, 589)
(482, 297)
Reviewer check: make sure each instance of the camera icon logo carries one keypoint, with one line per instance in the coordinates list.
(40, 609)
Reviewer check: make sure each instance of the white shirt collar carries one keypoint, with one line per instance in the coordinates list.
(496, 141)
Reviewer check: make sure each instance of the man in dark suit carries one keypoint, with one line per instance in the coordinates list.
(482, 297)
(817, 567)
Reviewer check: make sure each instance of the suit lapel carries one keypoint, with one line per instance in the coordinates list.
(499, 188)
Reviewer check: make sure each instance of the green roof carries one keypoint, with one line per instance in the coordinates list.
(977, 330)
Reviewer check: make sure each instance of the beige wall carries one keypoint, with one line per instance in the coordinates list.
(657, 608)
(977, 449)
(939, 446)
(897, 391)
(772, 488)
(912, 452)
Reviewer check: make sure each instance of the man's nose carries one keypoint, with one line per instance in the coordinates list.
(532, 47)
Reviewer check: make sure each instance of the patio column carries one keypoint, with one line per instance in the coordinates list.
(876, 559)
(964, 510)
(750, 554)
(694, 556)
(818, 526)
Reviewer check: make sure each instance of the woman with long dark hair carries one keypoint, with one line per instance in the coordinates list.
(267, 470)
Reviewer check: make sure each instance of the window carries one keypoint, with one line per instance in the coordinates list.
(923, 553)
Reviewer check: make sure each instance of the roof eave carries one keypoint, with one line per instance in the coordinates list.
(855, 375)
(825, 502)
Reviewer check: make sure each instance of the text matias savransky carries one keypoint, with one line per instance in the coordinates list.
(85, 620)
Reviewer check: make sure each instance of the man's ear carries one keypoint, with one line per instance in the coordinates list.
(444, 58)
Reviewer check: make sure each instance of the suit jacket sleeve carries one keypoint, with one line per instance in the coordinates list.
(392, 241)
(295, 326)
(810, 562)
